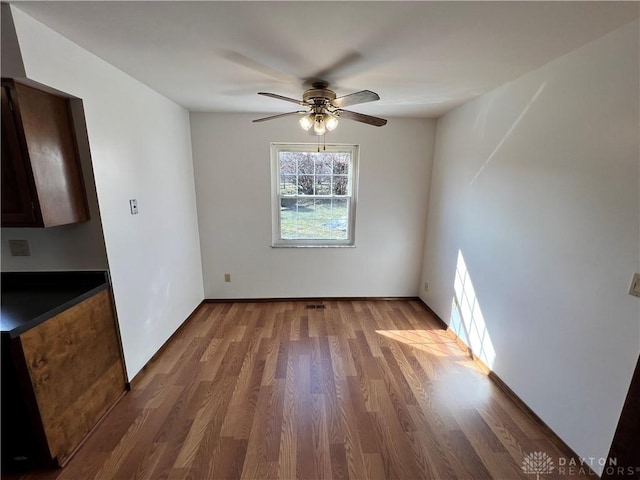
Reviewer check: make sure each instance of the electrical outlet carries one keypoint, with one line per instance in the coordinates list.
(635, 285)
(426, 287)
(133, 204)
(19, 248)
(227, 277)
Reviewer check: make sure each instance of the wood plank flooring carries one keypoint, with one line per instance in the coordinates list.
(359, 389)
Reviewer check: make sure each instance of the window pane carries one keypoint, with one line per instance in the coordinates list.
(287, 163)
(323, 185)
(341, 163)
(297, 218)
(305, 185)
(288, 217)
(324, 163)
(340, 222)
(288, 185)
(314, 219)
(324, 218)
(305, 162)
(341, 185)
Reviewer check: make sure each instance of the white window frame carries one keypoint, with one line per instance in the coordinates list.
(277, 240)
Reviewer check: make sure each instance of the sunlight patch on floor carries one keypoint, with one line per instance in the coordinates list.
(436, 342)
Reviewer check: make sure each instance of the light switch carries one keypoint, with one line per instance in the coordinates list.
(635, 285)
(133, 203)
(19, 248)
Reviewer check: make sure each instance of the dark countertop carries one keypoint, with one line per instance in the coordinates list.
(30, 298)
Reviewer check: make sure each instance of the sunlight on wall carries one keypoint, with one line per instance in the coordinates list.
(466, 317)
(511, 129)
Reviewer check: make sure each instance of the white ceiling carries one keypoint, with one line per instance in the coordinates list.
(422, 58)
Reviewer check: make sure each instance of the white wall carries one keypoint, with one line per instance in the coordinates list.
(68, 247)
(140, 148)
(537, 185)
(78, 246)
(232, 167)
(10, 57)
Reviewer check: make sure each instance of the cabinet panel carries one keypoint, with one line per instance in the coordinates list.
(76, 371)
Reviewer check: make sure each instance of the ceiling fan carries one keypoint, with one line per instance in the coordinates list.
(323, 108)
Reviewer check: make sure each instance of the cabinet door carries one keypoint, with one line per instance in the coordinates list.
(42, 184)
(76, 371)
(50, 140)
(18, 194)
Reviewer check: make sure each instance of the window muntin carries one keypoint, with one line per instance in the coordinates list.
(313, 194)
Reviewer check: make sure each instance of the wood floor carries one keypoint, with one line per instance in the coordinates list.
(359, 389)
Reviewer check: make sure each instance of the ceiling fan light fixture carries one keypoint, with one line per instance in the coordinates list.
(319, 126)
(306, 122)
(330, 122)
(322, 108)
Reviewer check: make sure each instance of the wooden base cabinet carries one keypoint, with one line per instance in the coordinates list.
(73, 373)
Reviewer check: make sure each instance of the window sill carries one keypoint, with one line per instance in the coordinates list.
(313, 246)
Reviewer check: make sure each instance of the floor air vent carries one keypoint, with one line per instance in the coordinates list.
(310, 307)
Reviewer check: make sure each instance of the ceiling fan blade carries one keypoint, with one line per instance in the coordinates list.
(363, 96)
(361, 117)
(299, 112)
(336, 70)
(280, 97)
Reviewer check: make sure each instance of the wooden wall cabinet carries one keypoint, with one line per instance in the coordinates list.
(42, 184)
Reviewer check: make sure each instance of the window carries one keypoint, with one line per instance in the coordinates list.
(314, 194)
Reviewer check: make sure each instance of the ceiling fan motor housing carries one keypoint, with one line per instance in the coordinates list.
(318, 96)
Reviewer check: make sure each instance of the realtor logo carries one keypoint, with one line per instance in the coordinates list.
(537, 463)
